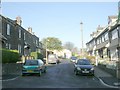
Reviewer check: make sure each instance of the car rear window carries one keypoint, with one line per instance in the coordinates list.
(51, 56)
(31, 62)
(83, 62)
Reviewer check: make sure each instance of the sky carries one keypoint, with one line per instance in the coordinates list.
(61, 19)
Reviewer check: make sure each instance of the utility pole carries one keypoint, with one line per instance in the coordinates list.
(81, 27)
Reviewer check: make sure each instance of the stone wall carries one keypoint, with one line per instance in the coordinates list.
(11, 68)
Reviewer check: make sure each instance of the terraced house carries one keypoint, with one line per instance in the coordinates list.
(15, 37)
(105, 44)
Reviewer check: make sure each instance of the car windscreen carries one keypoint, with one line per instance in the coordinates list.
(83, 62)
(31, 62)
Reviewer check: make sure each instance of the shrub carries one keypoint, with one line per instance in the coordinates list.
(10, 56)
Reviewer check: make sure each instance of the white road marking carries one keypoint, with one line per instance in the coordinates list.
(10, 79)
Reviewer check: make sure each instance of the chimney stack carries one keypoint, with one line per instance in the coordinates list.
(30, 30)
(18, 20)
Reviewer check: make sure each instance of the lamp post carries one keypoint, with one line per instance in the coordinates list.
(81, 27)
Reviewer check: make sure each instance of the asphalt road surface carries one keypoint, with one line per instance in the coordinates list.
(57, 76)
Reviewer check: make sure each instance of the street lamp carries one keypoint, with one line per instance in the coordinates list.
(46, 52)
(81, 24)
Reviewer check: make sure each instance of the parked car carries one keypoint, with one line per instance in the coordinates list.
(83, 66)
(73, 59)
(33, 67)
(52, 58)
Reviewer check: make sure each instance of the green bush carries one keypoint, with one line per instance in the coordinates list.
(37, 55)
(10, 56)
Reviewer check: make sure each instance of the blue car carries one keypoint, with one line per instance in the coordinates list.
(33, 67)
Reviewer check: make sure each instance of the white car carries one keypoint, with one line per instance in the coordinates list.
(73, 59)
(52, 58)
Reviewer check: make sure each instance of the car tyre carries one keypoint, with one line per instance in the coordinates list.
(23, 74)
(76, 72)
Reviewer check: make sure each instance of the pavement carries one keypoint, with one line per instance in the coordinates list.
(104, 77)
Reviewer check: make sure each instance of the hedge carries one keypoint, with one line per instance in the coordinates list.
(37, 55)
(10, 56)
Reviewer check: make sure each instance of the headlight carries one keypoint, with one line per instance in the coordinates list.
(92, 68)
(78, 68)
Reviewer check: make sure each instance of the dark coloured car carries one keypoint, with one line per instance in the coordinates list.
(83, 66)
(33, 67)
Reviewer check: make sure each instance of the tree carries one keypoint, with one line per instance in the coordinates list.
(52, 43)
(69, 46)
(75, 51)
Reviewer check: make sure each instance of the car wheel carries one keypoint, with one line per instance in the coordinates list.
(76, 72)
(40, 73)
(23, 74)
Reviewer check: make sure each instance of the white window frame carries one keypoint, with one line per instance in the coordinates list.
(97, 41)
(114, 34)
(9, 46)
(19, 48)
(106, 36)
(103, 38)
(36, 42)
(24, 35)
(8, 29)
(20, 33)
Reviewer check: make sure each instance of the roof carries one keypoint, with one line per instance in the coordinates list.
(113, 17)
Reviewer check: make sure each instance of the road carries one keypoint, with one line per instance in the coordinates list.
(57, 76)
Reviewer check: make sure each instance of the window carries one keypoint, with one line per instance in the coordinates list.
(19, 48)
(106, 36)
(24, 36)
(103, 38)
(100, 39)
(36, 42)
(19, 33)
(114, 34)
(9, 46)
(8, 29)
(114, 54)
(119, 31)
(97, 41)
(6, 45)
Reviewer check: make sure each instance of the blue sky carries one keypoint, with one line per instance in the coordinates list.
(61, 20)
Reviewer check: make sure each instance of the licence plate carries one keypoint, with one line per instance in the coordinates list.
(85, 71)
(29, 71)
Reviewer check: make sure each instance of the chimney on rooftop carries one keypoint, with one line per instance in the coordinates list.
(18, 20)
(30, 30)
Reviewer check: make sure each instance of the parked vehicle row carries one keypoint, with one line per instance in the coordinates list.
(81, 66)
